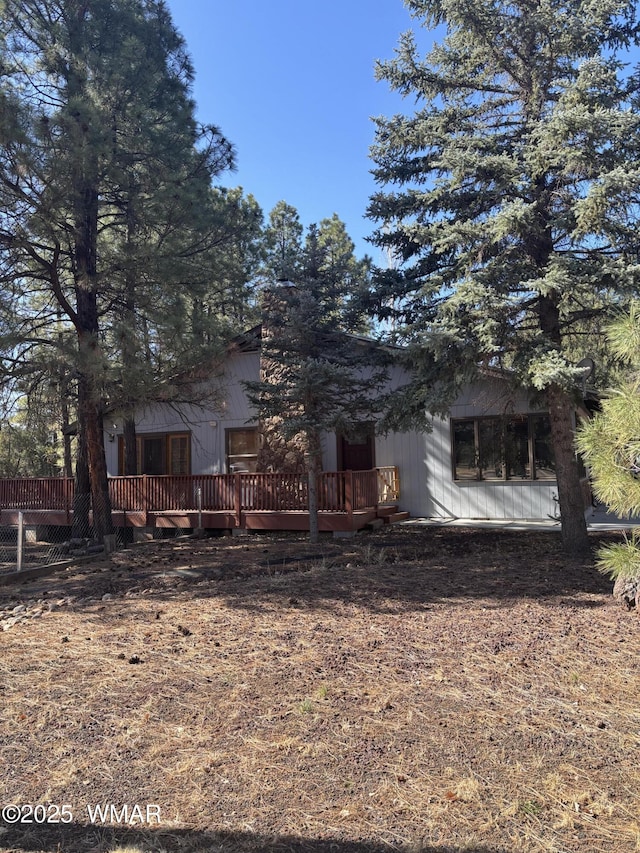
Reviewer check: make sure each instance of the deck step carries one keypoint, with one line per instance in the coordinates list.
(395, 517)
(385, 510)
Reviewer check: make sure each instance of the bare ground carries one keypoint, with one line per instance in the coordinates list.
(418, 690)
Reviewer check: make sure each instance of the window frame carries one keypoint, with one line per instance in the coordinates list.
(229, 431)
(506, 464)
(167, 439)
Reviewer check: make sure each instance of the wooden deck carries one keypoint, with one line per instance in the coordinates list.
(348, 500)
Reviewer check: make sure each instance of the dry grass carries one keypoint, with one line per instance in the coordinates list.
(436, 690)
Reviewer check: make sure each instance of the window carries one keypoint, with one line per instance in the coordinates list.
(179, 453)
(542, 449)
(160, 453)
(241, 450)
(515, 447)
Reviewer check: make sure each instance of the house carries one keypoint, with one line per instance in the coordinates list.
(490, 458)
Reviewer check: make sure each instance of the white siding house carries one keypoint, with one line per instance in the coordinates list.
(207, 428)
(526, 489)
(457, 470)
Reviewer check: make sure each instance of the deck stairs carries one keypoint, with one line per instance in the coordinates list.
(388, 514)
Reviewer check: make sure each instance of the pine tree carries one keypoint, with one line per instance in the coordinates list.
(610, 444)
(103, 177)
(324, 254)
(282, 240)
(30, 441)
(508, 200)
(229, 268)
(338, 272)
(315, 379)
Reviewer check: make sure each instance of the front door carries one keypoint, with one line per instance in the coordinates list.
(357, 454)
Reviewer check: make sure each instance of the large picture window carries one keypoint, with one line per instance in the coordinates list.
(514, 447)
(160, 453)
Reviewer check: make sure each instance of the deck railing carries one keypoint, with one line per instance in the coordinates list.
(37, 493)
(388, 484)
(338, 491)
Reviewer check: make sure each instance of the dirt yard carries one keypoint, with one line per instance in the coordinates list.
(412, 689)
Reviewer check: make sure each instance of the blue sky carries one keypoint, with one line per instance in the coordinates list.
(291, 84)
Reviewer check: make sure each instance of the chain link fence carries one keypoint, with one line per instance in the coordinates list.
(26, 543)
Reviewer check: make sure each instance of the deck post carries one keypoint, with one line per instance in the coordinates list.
(20, 541)
(145, 501)
(67, 488)
(348, 497)
(238, 499)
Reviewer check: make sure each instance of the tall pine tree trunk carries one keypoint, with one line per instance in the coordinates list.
(90, 422)
(130, 446)
(575, 537)
(130, 348)
(82, 494)
(63, 390)
(84, 182)
(314, 467)
(90, 357)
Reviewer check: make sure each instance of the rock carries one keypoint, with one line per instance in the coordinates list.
(626, 590)
(109, 543)
(95, 549)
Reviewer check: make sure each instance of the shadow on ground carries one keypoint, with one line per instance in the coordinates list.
(78, 838)
(388, 571)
